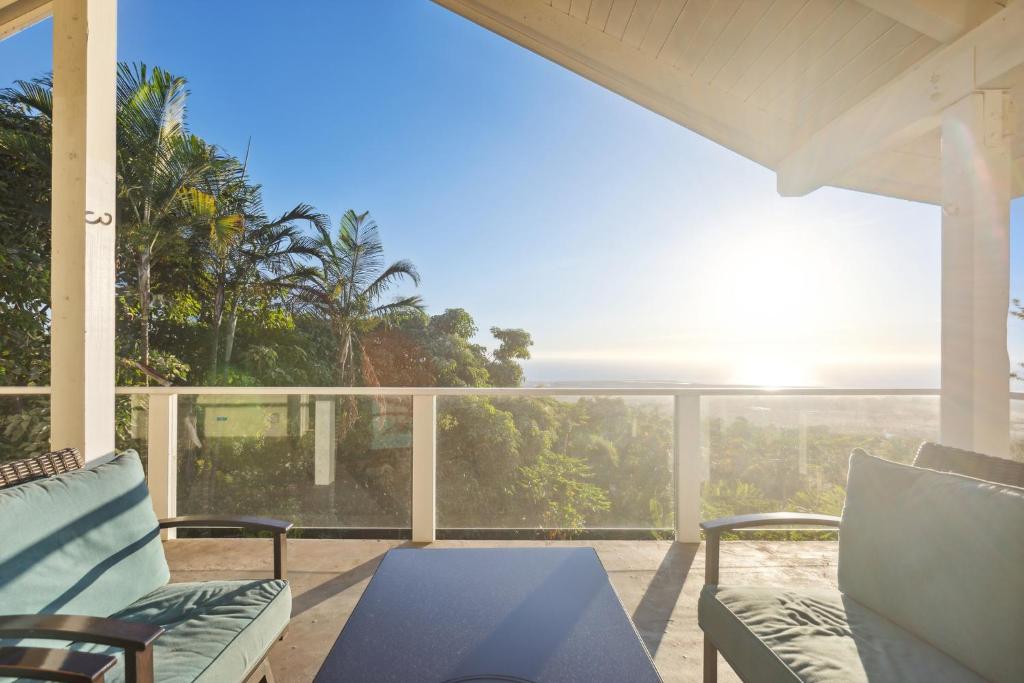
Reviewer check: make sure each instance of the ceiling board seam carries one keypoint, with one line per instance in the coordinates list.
(711, 45)
(808, 62)
(896, 57)
(771, 42)
(682, 11)
(832, 76)
(703, 20)
(741, 43)
(792, 52)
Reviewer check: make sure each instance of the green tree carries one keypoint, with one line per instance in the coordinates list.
(515, 346)
(348, 287)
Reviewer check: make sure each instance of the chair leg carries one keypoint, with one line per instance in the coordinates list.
(261, 674)
(710, 661)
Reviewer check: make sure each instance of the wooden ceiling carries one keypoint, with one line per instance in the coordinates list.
(770, 79)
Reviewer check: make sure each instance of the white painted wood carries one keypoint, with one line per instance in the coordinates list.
(21, 14)
(779, 15)
(82, 285)
(662, 22)
(942, 20)
(618, 18)
(639, 22)
(846, 18)
(424, 468)
(778, 55)
(908, 106)
(325, 448)
(710, 30)
(579, 9)
(687, 466)
(598, 15)
(162, 458)
(975, 411)
(685, 30)
(652, 83)
(561, 5)
(744, 20)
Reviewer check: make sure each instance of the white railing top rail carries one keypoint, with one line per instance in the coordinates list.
(505, 391)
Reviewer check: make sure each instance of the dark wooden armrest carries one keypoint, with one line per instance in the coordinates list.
(279, 528)
(134, 638)
(65, 666)
(714, 528)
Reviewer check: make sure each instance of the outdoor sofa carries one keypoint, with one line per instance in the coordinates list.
(84, 592)
(931, 587)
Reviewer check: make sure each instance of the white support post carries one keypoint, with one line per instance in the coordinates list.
(424, 468)
(163, 457)
(975, 406)
(686, 448)
(324, 443)
(82, 280)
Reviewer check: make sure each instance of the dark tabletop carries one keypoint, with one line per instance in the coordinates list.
(543, 615)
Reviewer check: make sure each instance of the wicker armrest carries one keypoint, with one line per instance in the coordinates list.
(278, 527)
(45, 465)
(65, 666)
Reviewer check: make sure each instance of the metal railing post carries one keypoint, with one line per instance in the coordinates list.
(424, 468)
(686, 466)
(163, 457)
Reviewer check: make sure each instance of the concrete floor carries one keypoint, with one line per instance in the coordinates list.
(657, 581)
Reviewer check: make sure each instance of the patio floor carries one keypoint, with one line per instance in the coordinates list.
(657, 581)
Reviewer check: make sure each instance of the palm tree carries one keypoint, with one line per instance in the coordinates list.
(347, 288)
(158, 161)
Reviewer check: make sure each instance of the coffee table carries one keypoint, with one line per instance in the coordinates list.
(541, 615)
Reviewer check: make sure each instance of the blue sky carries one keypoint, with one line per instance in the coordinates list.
(628, 246)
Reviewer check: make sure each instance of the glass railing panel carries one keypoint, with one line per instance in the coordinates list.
(1017, 429)
(131, 413)
(554, 463)
(772, 453)
(319, 461)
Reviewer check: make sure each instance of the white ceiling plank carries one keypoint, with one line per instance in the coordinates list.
(665, 17)
(639, 22)
(831, 76)
(775, 20)
(793, 38)
(943, 20)
(743, 22)
(652, 83)
(562, 5)
(907, 106)
(580, 9)
(836, 97)
(19, 15)
(598, 16)
(831, 31)
(708, 34)
(619, 17)
(686, 27)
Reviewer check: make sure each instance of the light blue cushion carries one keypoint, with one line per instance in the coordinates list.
(940, 555)
(85, 542)
(770, 635)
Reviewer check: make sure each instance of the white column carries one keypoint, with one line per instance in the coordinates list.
(424, 468)
(82, 284)
(324, 443)
(686, 444)
(162, 461)
(975, 412)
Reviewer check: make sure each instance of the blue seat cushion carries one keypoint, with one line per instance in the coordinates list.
(817, 636)
(215, 631)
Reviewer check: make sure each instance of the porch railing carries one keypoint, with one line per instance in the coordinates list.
(688, 465)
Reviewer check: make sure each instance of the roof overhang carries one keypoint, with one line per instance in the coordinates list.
(824, 92)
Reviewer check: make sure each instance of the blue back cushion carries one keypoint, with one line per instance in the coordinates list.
(941, 555)
(85, 542)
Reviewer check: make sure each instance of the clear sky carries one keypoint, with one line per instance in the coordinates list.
(628, 246)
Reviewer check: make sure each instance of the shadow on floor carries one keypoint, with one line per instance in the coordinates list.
(653, 613)
(340, 583)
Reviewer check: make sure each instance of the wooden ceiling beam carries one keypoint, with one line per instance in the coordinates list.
(20, 14)
(943, 20)
(908, 106)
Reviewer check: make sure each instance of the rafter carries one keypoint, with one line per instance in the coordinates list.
(20, 14)
(943, 20)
